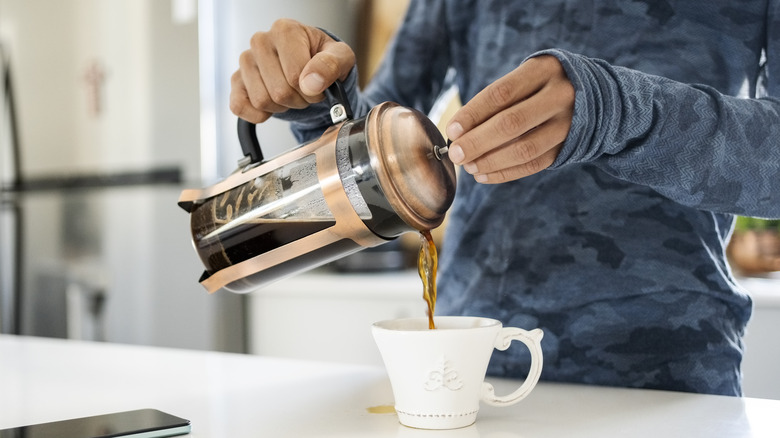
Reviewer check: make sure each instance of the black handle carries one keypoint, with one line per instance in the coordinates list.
(247, 137)
(338, 92)
(247, 134)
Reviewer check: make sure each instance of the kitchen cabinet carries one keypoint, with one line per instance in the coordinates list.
(326, 316)
(762, 340)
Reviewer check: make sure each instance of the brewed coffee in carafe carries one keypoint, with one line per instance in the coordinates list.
(261, 215)
(362, 183)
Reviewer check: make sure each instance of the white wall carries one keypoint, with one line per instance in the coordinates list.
(149, 95)
(39, 90)
(140, 252)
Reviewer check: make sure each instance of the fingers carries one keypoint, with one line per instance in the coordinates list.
(275, 62)
(513, 122)
(496, 97)
(287, 67)
(240, 104)
(333, 60)
(292, 53)
(516, 126)
(521, 157)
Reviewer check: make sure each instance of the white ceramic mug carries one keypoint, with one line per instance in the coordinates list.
(438, 376)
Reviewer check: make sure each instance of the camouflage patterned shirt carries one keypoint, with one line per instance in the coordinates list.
(618, 250)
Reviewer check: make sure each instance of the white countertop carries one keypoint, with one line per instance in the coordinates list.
(231, 395)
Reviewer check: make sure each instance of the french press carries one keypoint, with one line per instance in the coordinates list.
(364, 182)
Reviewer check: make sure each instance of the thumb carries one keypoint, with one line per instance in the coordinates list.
(332, 61)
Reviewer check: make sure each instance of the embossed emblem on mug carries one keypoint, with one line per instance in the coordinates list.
(442, 375)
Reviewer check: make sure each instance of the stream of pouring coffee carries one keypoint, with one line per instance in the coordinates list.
(427, 262)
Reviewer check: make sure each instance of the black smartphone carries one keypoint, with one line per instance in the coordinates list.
(142, 423)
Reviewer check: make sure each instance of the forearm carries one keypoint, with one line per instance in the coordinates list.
(690, 143)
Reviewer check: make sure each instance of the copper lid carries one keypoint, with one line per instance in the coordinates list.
(419, 186)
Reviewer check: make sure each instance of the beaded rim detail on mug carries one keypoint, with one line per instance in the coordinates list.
(444, 415)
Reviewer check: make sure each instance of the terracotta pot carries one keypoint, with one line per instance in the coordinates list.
(755, 251)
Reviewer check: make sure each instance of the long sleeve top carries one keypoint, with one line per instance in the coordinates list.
(617, 251)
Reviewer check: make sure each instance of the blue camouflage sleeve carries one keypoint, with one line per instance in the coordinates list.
(690, 143)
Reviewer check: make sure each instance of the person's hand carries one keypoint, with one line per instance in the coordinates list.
(516, 126)
(287, 67)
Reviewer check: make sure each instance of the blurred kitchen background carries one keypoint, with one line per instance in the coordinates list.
(108, 109)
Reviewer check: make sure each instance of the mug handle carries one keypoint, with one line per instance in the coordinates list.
(532, 339)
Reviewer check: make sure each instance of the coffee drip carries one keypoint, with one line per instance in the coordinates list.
(427, 264)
